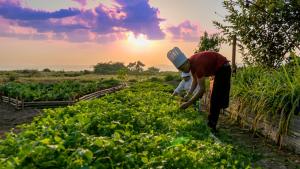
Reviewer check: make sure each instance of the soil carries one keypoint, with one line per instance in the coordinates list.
(10, 117)
(267, 154)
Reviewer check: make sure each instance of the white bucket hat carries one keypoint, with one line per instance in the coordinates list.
(183, 75)
(176, 57)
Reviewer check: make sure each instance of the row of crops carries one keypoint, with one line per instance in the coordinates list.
(268, 93)
(138, 127)
(55, 91)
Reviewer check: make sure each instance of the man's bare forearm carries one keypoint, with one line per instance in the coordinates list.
(193, 87)
(198, 95)
(200, 92)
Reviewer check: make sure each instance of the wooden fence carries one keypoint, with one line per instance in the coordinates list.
(21, 104)
(268, 127)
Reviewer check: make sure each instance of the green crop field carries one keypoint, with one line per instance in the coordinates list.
(138, 127)
(59, 91)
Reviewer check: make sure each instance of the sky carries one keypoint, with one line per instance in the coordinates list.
(76, 34)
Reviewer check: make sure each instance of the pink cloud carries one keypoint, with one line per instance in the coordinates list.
(185, 31)
(81, 2)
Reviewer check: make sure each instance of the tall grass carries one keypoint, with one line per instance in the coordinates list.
(268, 93)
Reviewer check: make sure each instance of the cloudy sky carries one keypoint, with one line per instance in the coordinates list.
(69, 33)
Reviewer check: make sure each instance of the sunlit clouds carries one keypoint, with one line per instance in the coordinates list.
(99, 24)
(85, 32)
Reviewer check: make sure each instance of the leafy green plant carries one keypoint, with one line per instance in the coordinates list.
(138, 127)
(209, 42)
(64, 90)
(172, 77)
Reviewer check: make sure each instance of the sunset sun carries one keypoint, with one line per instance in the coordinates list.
(138, 40)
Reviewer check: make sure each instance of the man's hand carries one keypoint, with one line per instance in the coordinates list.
(185, 105)
(186, 98)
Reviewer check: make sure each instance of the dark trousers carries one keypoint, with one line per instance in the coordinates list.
(220, 95)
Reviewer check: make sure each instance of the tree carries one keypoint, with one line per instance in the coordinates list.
(109, 67)
(209, 42)
(46, 70)
(152, 70)
(266, 29)
(136, 66)
(122, 75)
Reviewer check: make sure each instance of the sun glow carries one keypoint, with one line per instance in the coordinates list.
(138, 40)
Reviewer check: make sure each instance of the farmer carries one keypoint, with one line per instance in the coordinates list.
(202, 65)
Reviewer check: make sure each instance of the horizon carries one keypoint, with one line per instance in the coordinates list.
(74, 67)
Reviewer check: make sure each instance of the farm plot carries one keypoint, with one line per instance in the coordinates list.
(59, 91)
(139, 127)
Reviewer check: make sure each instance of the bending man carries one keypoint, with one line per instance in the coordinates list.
(202, 65)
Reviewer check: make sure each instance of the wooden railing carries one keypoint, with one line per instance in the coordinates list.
(21, 104)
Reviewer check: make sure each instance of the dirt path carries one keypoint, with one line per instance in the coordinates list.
(9, 117)
(267, 153)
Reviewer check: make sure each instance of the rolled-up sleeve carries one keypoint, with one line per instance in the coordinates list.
(180, 87)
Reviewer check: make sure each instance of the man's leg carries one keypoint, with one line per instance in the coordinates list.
(219, 96)
(213, 117)
(214, 109)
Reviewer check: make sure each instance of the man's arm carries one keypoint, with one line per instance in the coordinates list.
(179, 88)
(199, 94)
(192, 88)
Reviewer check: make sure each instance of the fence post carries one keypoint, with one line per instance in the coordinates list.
(233, 54)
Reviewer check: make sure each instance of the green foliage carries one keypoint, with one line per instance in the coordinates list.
(46, 70)
(123, 75)
(109, 68)
(12, 76)
(155, 79)
(86, 72)
(72, 74)
(209, 43)
(29, 72)
(293, 60)
(139, 127)
(136, 67)
(265, 29)
(152, 70)
(268, 94)
(60, 91)
(172, 77)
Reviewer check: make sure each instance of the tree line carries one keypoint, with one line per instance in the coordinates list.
(117, 67)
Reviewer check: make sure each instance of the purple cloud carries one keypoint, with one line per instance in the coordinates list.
(135, 16)
(185, 31)
(14, 11)
(44, 26)
(141, 18)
